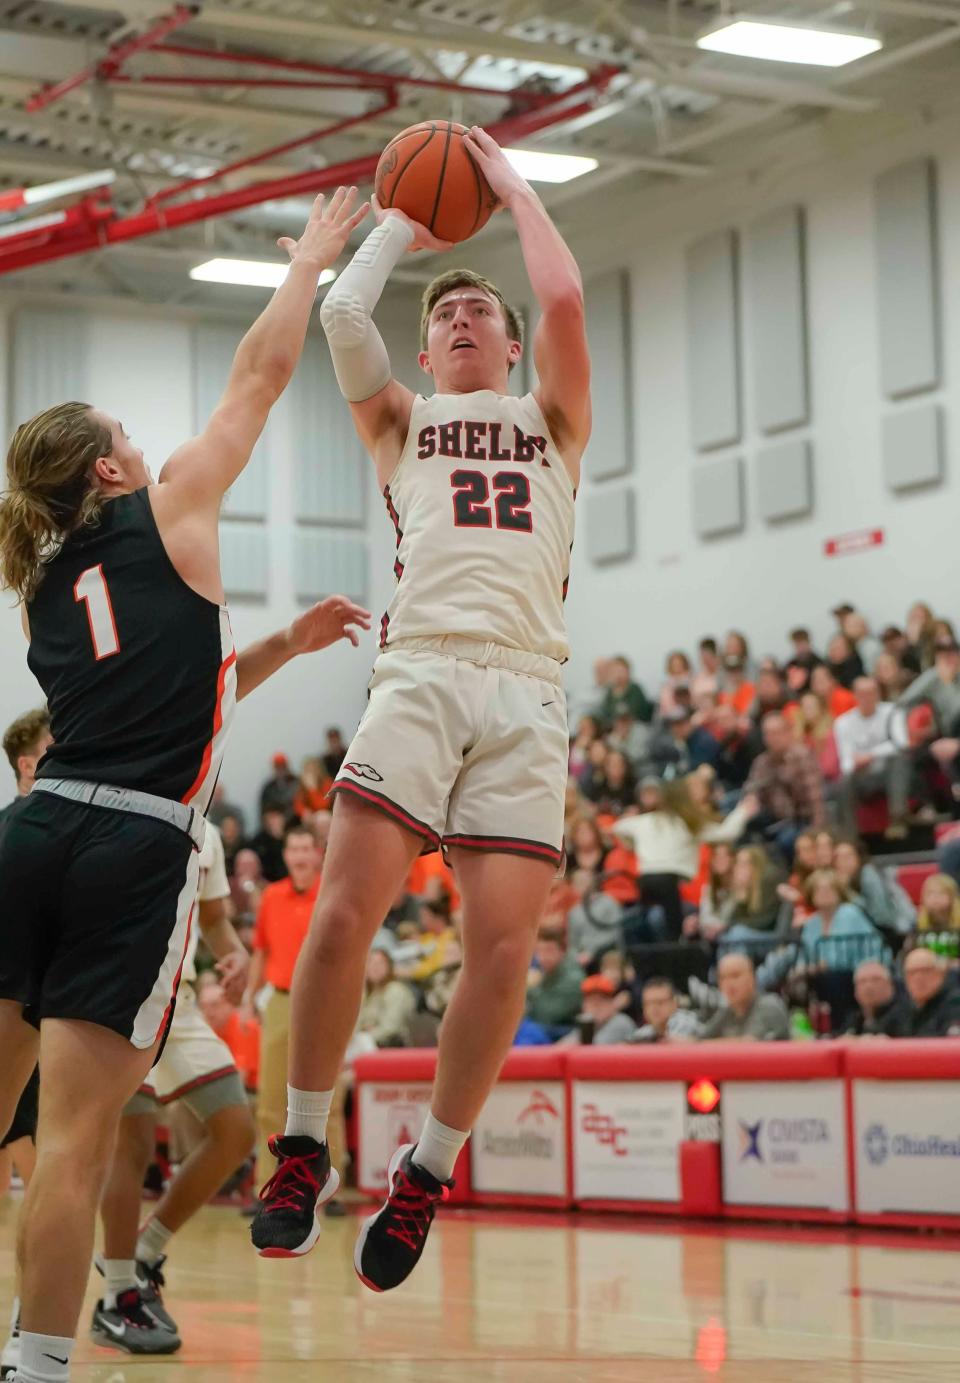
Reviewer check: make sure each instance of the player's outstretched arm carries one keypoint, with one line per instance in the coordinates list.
(203, 469)
(379, 403)
(560, 343)
(323, 624)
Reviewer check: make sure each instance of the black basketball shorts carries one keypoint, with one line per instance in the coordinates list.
(97, 909)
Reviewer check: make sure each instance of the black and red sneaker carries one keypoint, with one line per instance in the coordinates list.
(391, 1241)
(286, 1223)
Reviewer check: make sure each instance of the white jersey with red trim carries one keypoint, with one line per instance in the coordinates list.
(483, 507)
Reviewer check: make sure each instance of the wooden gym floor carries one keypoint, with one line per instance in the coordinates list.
(552, 1299)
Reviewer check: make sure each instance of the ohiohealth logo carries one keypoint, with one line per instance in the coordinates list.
(877, 1144)
(750, 1140)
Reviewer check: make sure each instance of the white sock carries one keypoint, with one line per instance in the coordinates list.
(44, 1358)
(307, 1113)
(152, 1243)
(120, 1275)
(438, 1148)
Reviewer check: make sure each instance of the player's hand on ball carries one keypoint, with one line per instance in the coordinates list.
(493, 163)
(422, 238)
(327, 230)
(326, 623)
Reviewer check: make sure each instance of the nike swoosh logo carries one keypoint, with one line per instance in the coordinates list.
(546, 703)
(55, 1357)
(117, 1330)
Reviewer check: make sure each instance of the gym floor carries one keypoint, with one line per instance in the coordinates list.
(553, 1299)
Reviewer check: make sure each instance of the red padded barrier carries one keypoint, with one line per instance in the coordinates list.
(931, 1058)
(718, 1060)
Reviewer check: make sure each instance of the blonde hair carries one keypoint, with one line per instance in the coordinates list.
(49, 492)
(925, 923)
(678, 800)
(465, 278)
(829, 877)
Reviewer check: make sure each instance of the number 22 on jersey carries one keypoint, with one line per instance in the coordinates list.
(91, 590)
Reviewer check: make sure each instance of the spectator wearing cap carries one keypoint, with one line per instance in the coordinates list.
(876, 1000)
(747, 1014)
(737, 690)
(787, 782)
(844, 661)
(706, 679)
(841, 611)
(663, 1018)
(837, 699)
(932, 1008)
(553, 997)
(623, 694)
(281, 787)
(679, 746)
(871, 745)
(601, 1007)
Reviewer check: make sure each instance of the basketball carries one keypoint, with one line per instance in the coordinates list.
(428, 173)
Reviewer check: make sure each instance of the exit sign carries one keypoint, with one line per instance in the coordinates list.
(849, 543)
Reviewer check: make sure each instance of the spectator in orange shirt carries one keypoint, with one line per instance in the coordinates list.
(282, 922)
(427, 868)
(837, 699)
(313, 793)
(737, 691)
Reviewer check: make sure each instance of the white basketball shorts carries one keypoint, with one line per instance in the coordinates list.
(466, 744)
(196, 1066)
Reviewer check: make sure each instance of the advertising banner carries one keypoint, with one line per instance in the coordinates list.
(908, 1146)
(391, 1113)
(785, 1143)
(519, 1144)
(626, 1139)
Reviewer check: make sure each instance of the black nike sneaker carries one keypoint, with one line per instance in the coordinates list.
(150, 1280)
(390, 1243)
(128, 1327)
(286, 1224)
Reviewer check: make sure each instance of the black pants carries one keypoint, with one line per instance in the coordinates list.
(663, 890)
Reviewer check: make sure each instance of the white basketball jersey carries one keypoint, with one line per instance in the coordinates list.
(483, 507)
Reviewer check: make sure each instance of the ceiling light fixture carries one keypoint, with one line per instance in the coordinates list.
(248, 273)
(537, 166)
(755, 38)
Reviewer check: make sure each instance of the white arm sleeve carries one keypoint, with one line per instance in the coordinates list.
(359, 355)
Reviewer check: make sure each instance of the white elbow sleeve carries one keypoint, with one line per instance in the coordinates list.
(359, 355)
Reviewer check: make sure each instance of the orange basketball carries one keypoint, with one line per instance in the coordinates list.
(428, 172)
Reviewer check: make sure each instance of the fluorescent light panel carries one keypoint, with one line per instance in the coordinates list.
(537, 166)
(249, 273)
(754, 38)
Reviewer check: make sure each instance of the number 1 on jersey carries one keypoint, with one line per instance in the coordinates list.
(91, 589)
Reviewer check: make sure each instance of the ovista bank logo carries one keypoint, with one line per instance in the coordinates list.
(880, 1145)
(780, 1141)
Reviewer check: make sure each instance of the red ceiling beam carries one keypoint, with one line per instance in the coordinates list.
(89, 229)
(114, 58)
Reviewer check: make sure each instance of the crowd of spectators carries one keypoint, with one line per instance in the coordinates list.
(717, 882)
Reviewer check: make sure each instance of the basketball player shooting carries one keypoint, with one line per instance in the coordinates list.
(123, 603)
(464, 740)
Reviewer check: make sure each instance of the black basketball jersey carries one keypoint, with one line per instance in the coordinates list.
(139, 670)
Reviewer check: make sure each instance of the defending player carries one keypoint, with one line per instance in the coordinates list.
(464, 740)
(130, 640)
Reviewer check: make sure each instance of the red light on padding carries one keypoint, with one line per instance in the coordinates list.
(703, 1096)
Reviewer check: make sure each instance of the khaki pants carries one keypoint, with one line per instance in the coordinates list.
(272, 1097)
